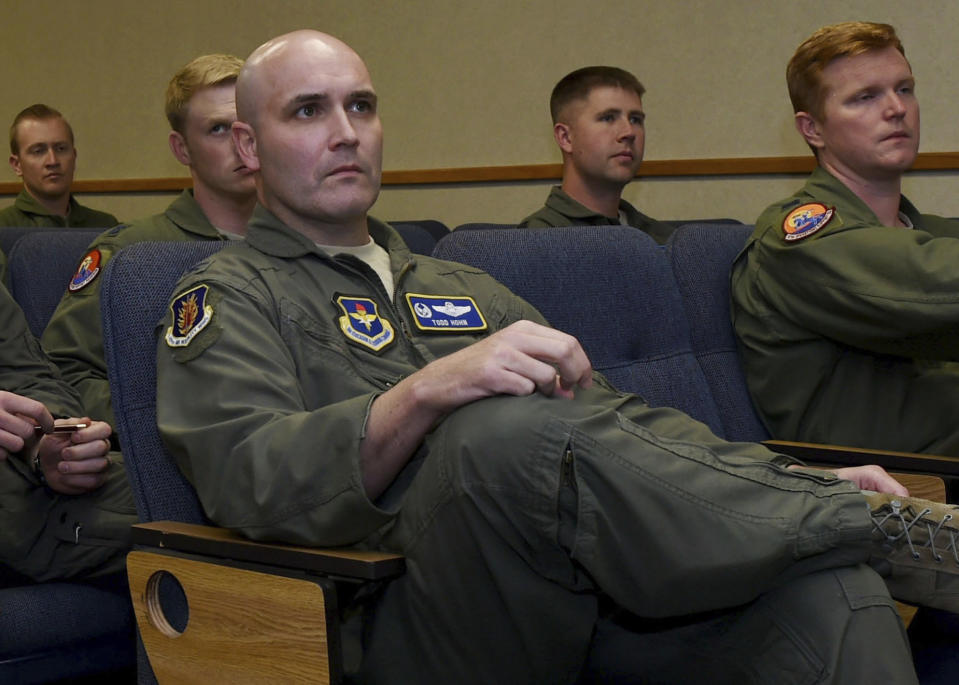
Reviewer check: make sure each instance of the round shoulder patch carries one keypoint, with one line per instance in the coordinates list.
(86, 272)
(805, 220)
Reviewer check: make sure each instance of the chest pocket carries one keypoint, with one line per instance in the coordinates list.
(328, 366)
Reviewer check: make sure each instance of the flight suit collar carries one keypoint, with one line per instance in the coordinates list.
(268, 234)
(561, 202)
(28, 204)
(826, 188)
(186, 213)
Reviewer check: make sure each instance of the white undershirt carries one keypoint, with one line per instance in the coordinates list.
(905, 220)
(372, 255)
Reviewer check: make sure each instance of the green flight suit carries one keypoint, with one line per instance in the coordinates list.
(847, 331)
(517, 513)
(562, 210)
(26, 211)
(45, 535)
(73, 338)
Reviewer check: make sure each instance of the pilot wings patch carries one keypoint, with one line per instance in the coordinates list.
(445, 313)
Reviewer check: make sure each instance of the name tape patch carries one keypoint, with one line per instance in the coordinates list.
(362, 324)
(445, 313)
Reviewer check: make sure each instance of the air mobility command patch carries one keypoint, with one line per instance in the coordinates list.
(86, 272)
(806, 220)
(191, 314)
(445, 313)
(361, 324)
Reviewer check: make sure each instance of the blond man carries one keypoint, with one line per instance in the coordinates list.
(201, 107)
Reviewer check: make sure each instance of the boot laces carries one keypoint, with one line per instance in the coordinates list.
(895, 525)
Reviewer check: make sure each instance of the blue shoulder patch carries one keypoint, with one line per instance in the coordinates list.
(191, 314)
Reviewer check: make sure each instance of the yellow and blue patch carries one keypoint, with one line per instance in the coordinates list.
(362, 324)
(86, 272)
(191, 314)
(806, 220)
(445, 313)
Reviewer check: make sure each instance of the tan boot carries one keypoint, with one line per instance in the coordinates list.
(917, 549)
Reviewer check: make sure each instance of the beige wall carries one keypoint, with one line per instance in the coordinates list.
(466, 84)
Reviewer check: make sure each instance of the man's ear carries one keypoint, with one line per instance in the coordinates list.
(15, 165)
(244, 139)
(179, 148)
(563, 137)
(809, 129)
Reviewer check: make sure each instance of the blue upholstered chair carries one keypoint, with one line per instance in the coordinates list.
(64, 631)
(683, 222)
(420, 236)
(437, 229)
(9, 235)
(482, 226)
(613, 288)
(701, 256)
(132, 305)
(41, 265)
(134, 295)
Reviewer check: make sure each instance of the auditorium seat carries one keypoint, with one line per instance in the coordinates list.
(40, 266)
(420, 236)
(211, 564)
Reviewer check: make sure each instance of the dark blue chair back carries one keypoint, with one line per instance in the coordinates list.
(435, 228)
(613, 288)
(701, 257)
(41, 265)
(134, 296)
(480, 226)
(9, 235)
(683, 222)
(416, 236)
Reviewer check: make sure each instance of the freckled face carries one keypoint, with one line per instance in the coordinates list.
(870, 122)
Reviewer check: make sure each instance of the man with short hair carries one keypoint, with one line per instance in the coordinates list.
(600, 127)
(368, 396)
(42, 153)
(200, 106)
(65, 506)
(846, 298)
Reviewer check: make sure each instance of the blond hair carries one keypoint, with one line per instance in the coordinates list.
(200, 73)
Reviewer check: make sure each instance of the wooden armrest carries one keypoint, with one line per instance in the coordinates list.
(920, 485)
(226, 544)
(858, 456)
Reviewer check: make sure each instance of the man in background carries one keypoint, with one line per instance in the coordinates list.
(201, 107)
(846, 298)
(43, 155)
(600, 127)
